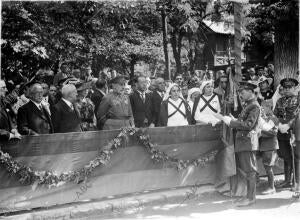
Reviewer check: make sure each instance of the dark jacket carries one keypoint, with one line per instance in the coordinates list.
(163, 117)
(96, 98)
(33, 121)
(142, 111)
(247, 121)
(64, 119)
(5, 123)
(156, 100)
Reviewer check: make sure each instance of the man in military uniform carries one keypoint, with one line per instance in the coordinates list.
(114, 111)
(285, 111)
(246, 139)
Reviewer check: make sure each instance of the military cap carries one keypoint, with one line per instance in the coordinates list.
(288, 82)
(118, 80)
(246, 85)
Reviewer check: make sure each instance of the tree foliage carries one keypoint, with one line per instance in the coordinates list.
(38, 34)
(275, 26)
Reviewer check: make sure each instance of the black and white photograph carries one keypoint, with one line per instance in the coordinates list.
(149, 109)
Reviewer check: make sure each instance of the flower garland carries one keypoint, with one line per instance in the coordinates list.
(27, 176)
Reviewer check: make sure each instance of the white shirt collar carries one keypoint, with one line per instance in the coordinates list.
(67, 102)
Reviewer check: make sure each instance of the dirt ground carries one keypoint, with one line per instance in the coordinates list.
(280, 205)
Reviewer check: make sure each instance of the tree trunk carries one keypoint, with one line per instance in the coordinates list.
(286, 55)
(132, 64)
(191, 53)
(165, 45)
(176, 46)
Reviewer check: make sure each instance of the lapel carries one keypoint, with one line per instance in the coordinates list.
(68, 109)
(6, 116)
(139, 96)
(159, 98)
(37, 111)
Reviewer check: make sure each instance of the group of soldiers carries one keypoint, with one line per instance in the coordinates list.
(271, 133)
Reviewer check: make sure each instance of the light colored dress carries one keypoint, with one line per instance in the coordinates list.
(176, 119)
(207, 106)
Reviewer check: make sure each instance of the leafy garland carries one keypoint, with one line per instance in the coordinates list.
(28, 176)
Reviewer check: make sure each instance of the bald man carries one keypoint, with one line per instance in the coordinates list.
(65, 116)
(156, 99)
(34, 117)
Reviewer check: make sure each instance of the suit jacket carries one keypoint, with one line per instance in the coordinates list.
(156, 100)
(31, 120)
(141, 110)
(247, 121)
(5, 123)
(96, 98)
(163, 117)
(65, 119)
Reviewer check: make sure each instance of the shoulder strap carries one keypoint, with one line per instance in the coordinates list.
(207, 104)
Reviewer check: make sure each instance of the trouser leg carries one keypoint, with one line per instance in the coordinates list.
(251, 185)
(270, 174)
(297, 165)
(247, 163)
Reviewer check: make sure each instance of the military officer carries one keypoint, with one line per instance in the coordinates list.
(246, 139)
(114, 111)
(285, 111)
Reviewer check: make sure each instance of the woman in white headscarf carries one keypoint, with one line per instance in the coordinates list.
(192, 94)
(174, 111)
(206, 105)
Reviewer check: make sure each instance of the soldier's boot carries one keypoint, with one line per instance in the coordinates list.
(251, 191)
(271, 187)
(287, 183)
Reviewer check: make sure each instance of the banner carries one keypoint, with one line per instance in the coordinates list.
(130, 169)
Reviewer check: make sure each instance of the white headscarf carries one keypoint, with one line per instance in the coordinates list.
(167, 94)
(204, 83)
(191, 91)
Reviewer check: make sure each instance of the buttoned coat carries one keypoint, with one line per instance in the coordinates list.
(31, 120)
(247, 122)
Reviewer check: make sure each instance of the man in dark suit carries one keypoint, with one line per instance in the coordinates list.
(156, 99)
(6, 130)
(141, 104)
(65, 116)
(98, 92)
(34, 117)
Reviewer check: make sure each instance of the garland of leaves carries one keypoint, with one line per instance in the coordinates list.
(28, 176)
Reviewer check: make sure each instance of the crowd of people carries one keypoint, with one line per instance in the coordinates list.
(72, 102)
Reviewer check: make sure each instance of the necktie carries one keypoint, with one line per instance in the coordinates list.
(72, 107)
(143, 96)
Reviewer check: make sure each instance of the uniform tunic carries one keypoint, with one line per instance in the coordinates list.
(246, 137)
(285, 111)
(115, 112)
